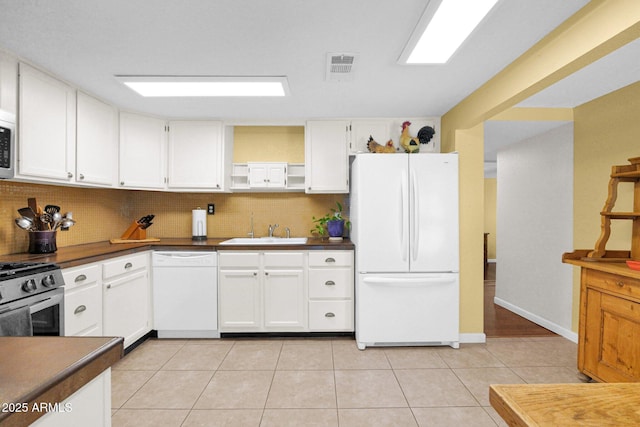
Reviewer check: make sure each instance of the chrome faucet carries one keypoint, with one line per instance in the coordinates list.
(250, 233)
(286, 230)
(272, 229)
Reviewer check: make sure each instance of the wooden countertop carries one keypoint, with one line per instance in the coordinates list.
(578, 258)
(593, 404)
(71, 256)
(48, 370)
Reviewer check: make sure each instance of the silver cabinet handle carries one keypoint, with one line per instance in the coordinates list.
(81, 176)
(69, 175)
(108, 286)
(79, 309)
(330, 260)
(128, 265)
(330, 283)
(266, 273)
(80, 278)
(329, 314)
(255, 274)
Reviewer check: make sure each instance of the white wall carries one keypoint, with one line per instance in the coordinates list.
(534, 228)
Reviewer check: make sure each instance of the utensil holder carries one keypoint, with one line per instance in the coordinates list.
(42, 242)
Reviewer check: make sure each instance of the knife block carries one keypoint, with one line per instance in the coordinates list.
(134, 232)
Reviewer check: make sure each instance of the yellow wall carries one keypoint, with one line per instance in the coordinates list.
(470, 146)
(268, 144)
(606, 133)
(104, 214)
(490, 192)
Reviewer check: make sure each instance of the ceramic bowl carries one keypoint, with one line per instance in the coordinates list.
(634, 265)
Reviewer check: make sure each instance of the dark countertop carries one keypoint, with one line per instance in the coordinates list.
(48, 370)
(71, 256)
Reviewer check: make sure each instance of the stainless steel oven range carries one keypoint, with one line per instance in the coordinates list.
(31, 299)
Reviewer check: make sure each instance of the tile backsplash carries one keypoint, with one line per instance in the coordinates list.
(103, 214)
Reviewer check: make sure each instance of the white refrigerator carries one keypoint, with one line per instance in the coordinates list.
(404, 214)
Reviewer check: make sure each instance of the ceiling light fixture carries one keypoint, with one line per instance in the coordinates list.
(442, 28)
(201, 86)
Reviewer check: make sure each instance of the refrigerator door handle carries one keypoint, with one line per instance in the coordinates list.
(404, 233)
(409, 282)
(415, 216)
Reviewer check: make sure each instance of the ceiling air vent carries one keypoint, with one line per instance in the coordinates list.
(340, 66)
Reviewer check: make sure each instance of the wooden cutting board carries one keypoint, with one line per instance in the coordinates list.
(150, 239)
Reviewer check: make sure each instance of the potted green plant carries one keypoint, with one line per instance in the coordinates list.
(332, 223)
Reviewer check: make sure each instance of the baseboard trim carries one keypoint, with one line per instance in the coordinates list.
(473, 338)
(553, 327)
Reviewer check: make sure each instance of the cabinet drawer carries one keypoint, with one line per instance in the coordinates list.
(283, 259)
(330, 258)
(239, 259)
(331, 315)
(330, 283)
(74, 277)
(124, 265)
(83, 310)
(624, 286)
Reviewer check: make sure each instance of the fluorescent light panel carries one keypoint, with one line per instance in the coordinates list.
(192, 86)
(448, 27)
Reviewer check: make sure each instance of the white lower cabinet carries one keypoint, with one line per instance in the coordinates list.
(89, 406)
(331, 284)
(239, 300)
(262, 292)
(286, 291)
(83, 300)
(126, 297)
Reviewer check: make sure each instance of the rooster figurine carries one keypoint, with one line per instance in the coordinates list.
(412, 144)
(374, 147)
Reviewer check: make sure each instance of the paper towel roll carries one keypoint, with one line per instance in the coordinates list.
(199, 224)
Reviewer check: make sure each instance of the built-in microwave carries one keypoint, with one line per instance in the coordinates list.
(7, 144)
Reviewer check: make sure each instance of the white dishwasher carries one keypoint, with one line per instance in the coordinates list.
(185, 294)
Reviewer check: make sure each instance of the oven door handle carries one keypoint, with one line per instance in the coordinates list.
(53, 300)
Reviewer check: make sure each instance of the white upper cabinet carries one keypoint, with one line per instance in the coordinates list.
(383, 130)
(142, 151)
(96, 142)
(196, 155)
(8, 83)
(267, 175)
(326, 157)
(46, 127)
(362, 130)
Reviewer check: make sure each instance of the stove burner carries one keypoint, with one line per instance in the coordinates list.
(10, 270)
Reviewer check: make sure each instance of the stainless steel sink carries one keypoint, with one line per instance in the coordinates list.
(265, 241)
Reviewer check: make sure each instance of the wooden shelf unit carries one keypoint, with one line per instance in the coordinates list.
(621, 173)
(609, 320)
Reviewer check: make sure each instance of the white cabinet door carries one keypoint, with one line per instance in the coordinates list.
(142, 151)
(284, 300)
(46, 127)
(239, 300)
(267, 175)
(8, 83)
(196, 155)
(89, 406)
(96, 142)
(83, 301)
(127, 306)
(362, 130)
(326, 157)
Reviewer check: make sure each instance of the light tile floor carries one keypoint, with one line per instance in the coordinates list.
(326, 382)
